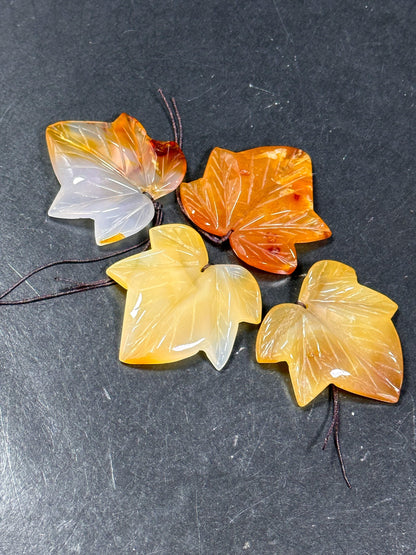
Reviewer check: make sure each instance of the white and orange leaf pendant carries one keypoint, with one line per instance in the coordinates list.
(104, 169)
(340, 333)
(176, 305)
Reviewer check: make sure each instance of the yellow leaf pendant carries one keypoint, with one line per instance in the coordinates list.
(176, 306)
(340, 333)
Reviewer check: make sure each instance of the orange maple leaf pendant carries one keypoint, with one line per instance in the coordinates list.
(262, 200)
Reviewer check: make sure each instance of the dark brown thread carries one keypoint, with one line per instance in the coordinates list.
(334, 430)
(179, 121)
(81, 286)
(172, 117)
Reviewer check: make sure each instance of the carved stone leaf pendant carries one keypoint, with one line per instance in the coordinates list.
(176, 305)
(104, 169)
(340, 333)
(262, 200)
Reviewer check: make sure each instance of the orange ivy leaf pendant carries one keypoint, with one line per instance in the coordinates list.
(261, 199)
(339, 333)
(104, 169)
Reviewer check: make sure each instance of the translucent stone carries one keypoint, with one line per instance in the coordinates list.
(104, 169)
(263, 197)
(176, 306)
(340, 334)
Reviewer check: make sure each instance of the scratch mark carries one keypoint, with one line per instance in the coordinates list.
(253, 505)
(358, 510)
(386, 500)
(276, 7)
(9, 463)
(260, 89)
(111, 469)
(310, 414)
(256, 446)
(106, 394)
(20, 276)
(412, 414)
(203, 93)
(44, 477)
(6, 111)
(198, 524)
(58, 549)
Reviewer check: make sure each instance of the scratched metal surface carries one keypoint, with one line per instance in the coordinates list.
(99, 457)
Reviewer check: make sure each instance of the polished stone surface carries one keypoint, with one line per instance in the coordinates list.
(340, 333)
(177, 305)
(262, 200)
(104, 169)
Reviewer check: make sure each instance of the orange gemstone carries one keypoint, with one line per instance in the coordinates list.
(263, 198)
(340, 333)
